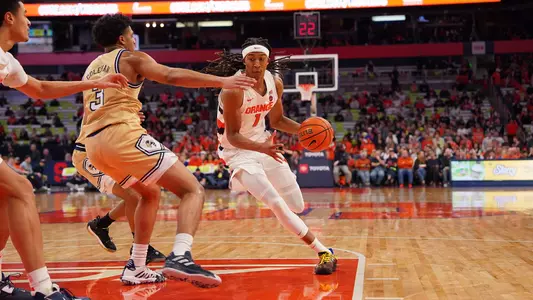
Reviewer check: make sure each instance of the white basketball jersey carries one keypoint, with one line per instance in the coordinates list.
(254, 109)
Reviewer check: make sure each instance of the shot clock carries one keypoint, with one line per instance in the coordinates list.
(307, 25)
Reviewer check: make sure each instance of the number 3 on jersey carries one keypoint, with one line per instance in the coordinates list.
(98, 100)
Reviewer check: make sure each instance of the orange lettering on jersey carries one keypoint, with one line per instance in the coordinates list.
(258, 108)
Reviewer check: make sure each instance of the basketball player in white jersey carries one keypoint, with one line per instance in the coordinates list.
(256, 162)
(18, 215)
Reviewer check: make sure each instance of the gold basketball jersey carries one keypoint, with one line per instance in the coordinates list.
(109, 106)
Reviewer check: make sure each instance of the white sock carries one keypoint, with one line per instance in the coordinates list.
(182, 243)
(40, 281)
(139, 254)
(318, 247)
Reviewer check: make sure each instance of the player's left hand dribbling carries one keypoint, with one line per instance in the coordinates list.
(239, 81)
(115, 81)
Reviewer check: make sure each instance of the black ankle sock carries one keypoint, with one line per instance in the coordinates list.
(133, 234)
(105, 222)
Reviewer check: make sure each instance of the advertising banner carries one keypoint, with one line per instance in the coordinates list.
(219, 6)
(493, 170)
(54, 170)
(315, 170)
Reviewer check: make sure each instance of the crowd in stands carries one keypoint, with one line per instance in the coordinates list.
(395, 136)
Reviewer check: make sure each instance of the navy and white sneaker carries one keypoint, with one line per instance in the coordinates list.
(59, 294)
(9, 292)
(183, 268)
(139, 275)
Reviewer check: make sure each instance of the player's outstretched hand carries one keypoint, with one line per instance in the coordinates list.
(238, 81)
(274, 150)
(142, 116)
(113, 81)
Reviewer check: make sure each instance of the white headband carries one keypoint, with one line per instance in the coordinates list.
(255, 48)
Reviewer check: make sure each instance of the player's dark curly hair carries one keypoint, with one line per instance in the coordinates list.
(8, 6)
(109, 28)
(227, 64)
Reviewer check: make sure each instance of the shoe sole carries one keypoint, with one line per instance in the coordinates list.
(196, 280)
(91, 232)
(136, 281)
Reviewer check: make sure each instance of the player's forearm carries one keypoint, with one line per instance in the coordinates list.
(55, 89)
(193, 79)
(237, 140)
(286, 125)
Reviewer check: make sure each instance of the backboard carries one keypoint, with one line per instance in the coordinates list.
(322, 70)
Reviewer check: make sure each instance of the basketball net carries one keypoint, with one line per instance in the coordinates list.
(306, 92)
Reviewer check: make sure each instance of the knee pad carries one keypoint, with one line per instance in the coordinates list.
(284, 181)
(293, 197)
(259, 186)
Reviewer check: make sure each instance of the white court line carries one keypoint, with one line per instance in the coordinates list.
(95, 269)
(383, 279)
(359, 276)
(332, 236)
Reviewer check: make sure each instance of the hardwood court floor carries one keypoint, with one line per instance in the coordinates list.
(423, 243)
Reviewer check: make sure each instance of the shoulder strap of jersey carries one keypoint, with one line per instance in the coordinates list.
(117, 69)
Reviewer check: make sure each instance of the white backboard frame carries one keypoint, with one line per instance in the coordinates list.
(334, 57)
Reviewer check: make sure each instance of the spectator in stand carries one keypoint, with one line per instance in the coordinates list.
(47, 156)
(512, 128)
(378, 168)
(433, 169)
(220, 178)
(405, 168)
(445, 164)
(420, 167)
(363, 168)
(14, 164)
(35, 154)
(200, 177)
(392, 167)
(340, 164)
(26, 165)
(39, 172)
(77, 183)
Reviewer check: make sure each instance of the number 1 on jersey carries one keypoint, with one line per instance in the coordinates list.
(257, 119)
(99, 100)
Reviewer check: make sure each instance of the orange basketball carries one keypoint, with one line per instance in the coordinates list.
(316, 134)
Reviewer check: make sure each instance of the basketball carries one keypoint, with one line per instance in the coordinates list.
(316, 134)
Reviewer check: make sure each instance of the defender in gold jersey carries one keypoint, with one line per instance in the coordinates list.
(118, 146)
(94, 100)
(99, 227)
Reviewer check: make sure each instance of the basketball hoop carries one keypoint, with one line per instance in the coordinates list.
(306, 91)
